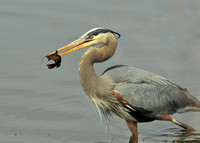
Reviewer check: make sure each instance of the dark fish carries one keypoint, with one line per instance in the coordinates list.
(56, 58)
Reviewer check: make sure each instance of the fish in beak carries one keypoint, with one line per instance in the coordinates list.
(73, 46)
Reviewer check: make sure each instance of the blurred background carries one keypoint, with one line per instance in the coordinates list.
(49, 106)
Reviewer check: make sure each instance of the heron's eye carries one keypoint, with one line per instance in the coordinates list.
(90, 37)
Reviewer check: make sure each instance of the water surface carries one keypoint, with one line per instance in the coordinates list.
(49, 106)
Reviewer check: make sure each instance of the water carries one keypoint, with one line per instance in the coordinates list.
(49, 106)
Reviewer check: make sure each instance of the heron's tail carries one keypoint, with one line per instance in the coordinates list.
(197, 103)
(193, 106)
(188, 108)
(196, 106)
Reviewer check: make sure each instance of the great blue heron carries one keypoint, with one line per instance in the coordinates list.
(133, 94)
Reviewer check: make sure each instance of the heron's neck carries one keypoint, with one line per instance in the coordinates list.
(92, 83)
(88, 77)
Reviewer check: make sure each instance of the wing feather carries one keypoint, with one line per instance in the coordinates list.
(149, 91)
(155, 98)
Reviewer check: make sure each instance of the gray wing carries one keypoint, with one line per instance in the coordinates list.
(155, 98)
(149, 91)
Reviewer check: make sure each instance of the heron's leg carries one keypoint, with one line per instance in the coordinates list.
(133, 128)
(168, 118)
(132, 125)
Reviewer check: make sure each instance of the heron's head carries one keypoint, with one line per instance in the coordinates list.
(96, 36)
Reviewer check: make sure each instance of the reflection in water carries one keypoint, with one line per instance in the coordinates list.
(185, 137)
(187, 141)
(181, 135)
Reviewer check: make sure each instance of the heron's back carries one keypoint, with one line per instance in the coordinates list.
(150, 91)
